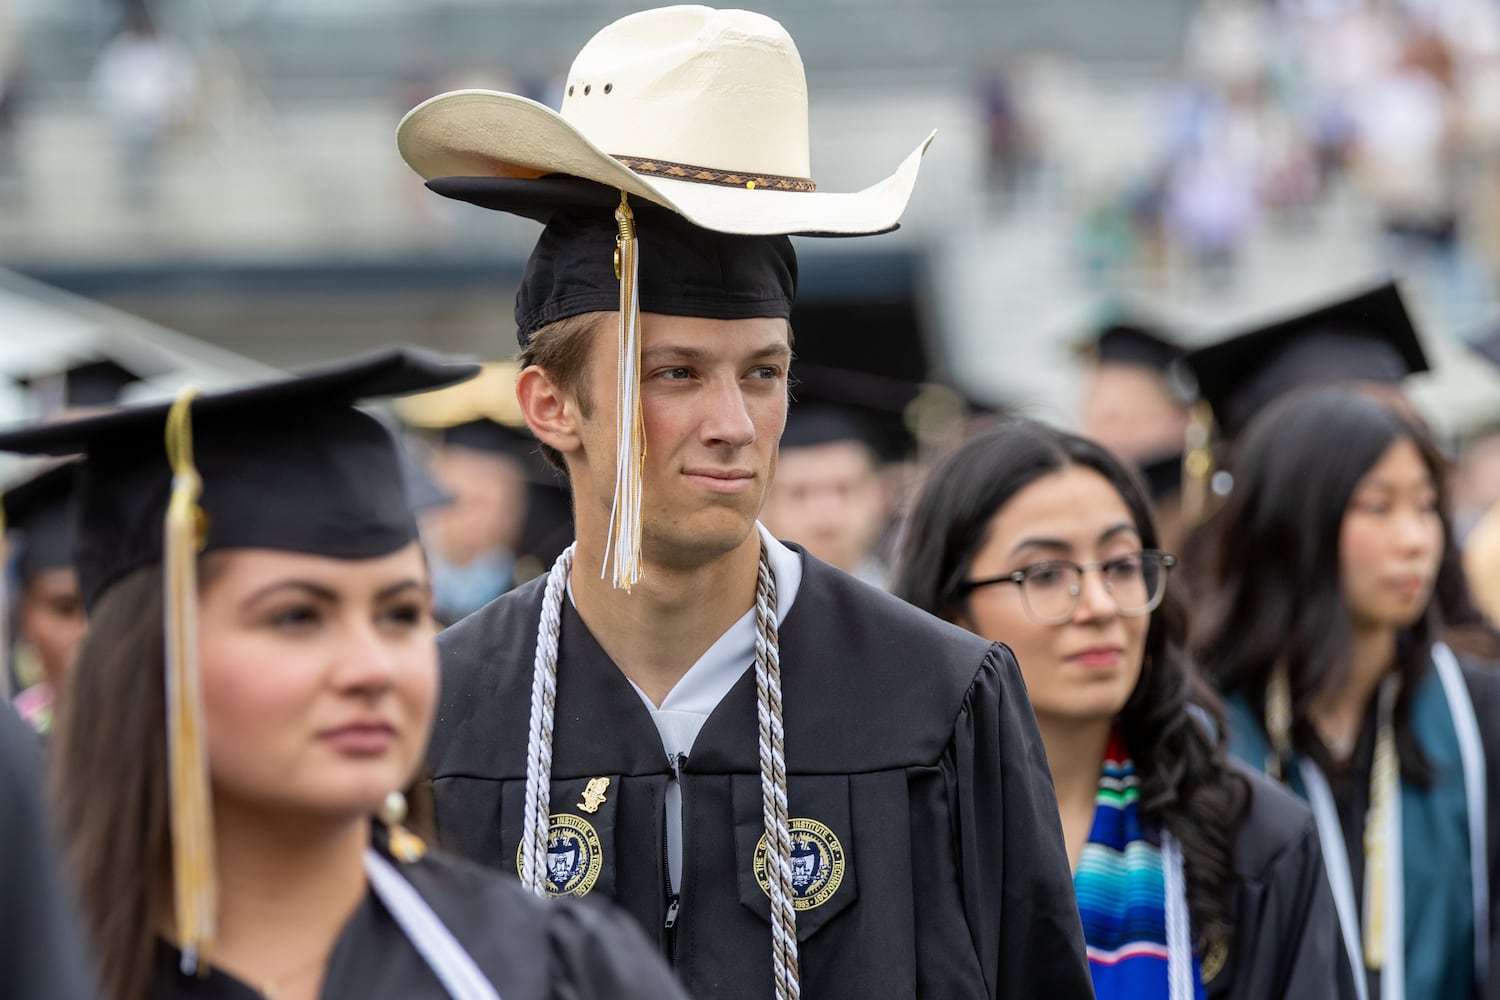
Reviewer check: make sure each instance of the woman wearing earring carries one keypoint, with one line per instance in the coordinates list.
(258, 681)
(1192, 879)
(1321, 632)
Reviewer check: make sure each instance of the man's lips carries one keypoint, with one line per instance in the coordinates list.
(722, 480)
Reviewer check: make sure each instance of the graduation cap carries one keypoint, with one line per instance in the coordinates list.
(91, 384)
(39, 510)
(1126, 341)
(830, 404)
(288, 465)
(1367, 337)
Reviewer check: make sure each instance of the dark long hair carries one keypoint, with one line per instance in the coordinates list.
(1187, 786)
(109, 778)
(1272, 559)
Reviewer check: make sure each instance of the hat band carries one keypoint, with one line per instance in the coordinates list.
(710, 175)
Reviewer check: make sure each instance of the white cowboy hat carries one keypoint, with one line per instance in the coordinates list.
(701, 111)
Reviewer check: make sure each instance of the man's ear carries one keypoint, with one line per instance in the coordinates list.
(551, 412)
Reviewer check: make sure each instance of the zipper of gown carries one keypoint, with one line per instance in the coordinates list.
(674, 900)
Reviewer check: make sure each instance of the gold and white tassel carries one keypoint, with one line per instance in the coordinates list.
(195, 891)
(624, 540)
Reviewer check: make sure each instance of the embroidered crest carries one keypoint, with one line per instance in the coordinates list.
(593, 795)
(817, 864)
(574, 856)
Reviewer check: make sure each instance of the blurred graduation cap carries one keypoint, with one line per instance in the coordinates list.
(39, 511)
(831, 404)
(1129, 340)
(89, 384)
(482, 414)
(288, 465)
(1366, 337)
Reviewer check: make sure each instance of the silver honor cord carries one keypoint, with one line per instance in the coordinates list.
(772, 736)
(773, 786)
(537, 818)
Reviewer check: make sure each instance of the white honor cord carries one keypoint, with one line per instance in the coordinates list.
(1471, 752)
(1393, 974)
(447, 959)
(536, 822)
(1179, 925)
(1336, 864)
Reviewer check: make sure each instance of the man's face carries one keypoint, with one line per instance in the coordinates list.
(829, 498)
(713, 398)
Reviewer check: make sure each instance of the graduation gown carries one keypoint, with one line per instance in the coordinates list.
(916, 775)
(1350, 786)
(528, 948)
(1286, 942)
(42, 953)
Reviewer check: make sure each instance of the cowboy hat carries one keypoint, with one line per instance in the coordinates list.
(701, 111)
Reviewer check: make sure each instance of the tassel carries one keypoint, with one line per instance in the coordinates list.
(195, 893)
(1197, 466)
(624, 541)
(1279, 723)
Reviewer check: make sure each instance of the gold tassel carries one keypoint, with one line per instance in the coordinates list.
(1279, 721)
(624, 540)
(1197, 465)
(195, 892)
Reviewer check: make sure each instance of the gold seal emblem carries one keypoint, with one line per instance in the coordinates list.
(574, 855)
(593, 795)
(817, 864)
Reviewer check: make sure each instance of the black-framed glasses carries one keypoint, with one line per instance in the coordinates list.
(1050, 591)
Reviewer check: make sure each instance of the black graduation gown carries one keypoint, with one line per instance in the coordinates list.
(42, 953)
(910, 744)
(528, 948)
(1286, 942)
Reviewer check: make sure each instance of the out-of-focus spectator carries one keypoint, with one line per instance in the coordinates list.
(147, 86)
(10, 95)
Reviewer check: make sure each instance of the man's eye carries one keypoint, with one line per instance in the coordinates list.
(766, 372)
(675, 374)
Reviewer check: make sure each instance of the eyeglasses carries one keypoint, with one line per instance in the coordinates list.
(1050, 591)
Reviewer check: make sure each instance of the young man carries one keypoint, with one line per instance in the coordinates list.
(688, 716)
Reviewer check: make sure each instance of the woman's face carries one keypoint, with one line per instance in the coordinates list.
(319, 678)
(1391, 541)
(1086, 668)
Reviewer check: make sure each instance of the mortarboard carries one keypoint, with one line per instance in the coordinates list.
(1126, 341)
(91, 384)
(1367, 337)
(832, 404)
(39, 510)
(289, 465)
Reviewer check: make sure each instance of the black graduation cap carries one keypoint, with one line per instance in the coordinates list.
(831, 404)
(1126, 341)
(287, 464)
(1367, 337)
(90, 384)
(39, 511)
(684, 270)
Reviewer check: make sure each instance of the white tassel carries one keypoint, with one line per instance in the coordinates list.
(624, 541)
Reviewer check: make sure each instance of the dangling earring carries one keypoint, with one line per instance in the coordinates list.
(405, 845)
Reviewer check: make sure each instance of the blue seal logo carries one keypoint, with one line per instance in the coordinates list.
(574, 856)
(817, 864)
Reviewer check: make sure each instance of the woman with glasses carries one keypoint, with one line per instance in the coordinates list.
(1321, 632)
(1193, 878)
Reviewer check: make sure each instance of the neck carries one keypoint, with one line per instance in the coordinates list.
(1339, 714)
(1075, 755)
(658, 630)
(287, 886)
